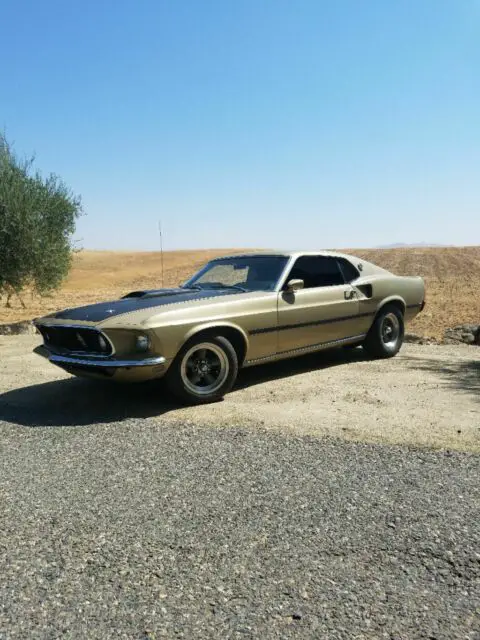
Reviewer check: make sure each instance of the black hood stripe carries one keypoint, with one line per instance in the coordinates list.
(104, 310)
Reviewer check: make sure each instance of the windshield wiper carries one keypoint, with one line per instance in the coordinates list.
(220, 285)
(236, 286)
(214, 285)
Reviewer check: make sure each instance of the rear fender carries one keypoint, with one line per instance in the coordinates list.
(396, 300)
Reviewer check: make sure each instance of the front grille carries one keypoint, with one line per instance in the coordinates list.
(76, 339)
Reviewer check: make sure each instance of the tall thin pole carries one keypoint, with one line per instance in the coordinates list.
(161, 245)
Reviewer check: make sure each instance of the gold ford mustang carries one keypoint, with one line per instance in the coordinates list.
(237, 311)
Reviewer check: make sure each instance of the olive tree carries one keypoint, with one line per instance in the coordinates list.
(37, 220)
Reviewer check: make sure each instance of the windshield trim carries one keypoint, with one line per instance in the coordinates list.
(283, 277)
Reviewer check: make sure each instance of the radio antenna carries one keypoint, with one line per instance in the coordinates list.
(161, 245)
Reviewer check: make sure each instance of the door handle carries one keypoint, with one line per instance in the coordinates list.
(350, 294)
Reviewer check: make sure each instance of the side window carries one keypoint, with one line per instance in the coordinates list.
(317, 271)
(350, 272)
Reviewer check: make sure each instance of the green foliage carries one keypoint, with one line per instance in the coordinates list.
(37, 220)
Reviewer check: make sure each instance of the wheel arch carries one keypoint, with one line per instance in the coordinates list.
(392, 301)
(231, 332)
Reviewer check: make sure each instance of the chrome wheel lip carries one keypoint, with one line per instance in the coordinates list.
(390, 330)
(223, 363)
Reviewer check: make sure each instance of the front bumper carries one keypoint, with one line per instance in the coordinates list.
(114, 364)
(129, 370)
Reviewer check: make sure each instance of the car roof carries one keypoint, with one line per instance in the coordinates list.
(287, 254)
(367, 268)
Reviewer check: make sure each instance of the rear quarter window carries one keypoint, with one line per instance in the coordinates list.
(349, 272)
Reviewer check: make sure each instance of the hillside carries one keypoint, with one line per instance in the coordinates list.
(452, 275)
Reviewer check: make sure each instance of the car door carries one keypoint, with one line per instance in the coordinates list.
(324, 311)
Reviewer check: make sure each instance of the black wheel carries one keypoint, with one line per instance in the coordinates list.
(204, 370)
(386, 334)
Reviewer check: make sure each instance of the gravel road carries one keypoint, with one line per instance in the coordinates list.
(124, 517)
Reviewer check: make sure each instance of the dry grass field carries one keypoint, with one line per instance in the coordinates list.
(452, 275)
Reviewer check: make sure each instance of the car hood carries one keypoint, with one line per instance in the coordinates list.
(136, 301)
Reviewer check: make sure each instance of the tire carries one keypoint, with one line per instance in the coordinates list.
(204, 370)
(386, 334)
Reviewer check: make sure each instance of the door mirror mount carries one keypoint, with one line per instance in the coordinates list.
(294, 285)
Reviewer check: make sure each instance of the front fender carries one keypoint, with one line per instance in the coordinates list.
(209, 326)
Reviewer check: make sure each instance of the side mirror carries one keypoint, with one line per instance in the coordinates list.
(294, 285)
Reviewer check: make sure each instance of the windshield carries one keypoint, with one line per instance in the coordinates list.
(251, 273)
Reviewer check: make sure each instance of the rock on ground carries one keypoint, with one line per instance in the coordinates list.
(466, 333)
(17, 328)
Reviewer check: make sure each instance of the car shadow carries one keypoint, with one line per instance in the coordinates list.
(296, 366)
(462, 375)
(74, 402)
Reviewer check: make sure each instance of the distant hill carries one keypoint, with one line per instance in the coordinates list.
(405, 245)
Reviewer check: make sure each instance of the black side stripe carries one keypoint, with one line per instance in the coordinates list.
(315, 323)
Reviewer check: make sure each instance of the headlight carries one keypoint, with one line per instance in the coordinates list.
(143, 343)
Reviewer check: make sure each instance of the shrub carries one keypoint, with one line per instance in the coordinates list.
(37, 220)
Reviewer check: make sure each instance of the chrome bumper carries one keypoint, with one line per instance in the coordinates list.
(117, 364)
(100, 363)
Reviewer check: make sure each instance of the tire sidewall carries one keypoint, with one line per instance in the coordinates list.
(375, 343)
(175, 380)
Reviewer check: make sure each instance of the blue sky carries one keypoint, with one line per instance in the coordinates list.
(306, 123)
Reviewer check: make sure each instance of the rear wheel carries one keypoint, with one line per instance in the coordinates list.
(386, 334)
(204, 370)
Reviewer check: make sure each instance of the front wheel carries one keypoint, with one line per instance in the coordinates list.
(204, 370)
(386, 334)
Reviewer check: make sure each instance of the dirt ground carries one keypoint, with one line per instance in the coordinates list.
(427, 396)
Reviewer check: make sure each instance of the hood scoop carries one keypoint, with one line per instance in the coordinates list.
(152, 293)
